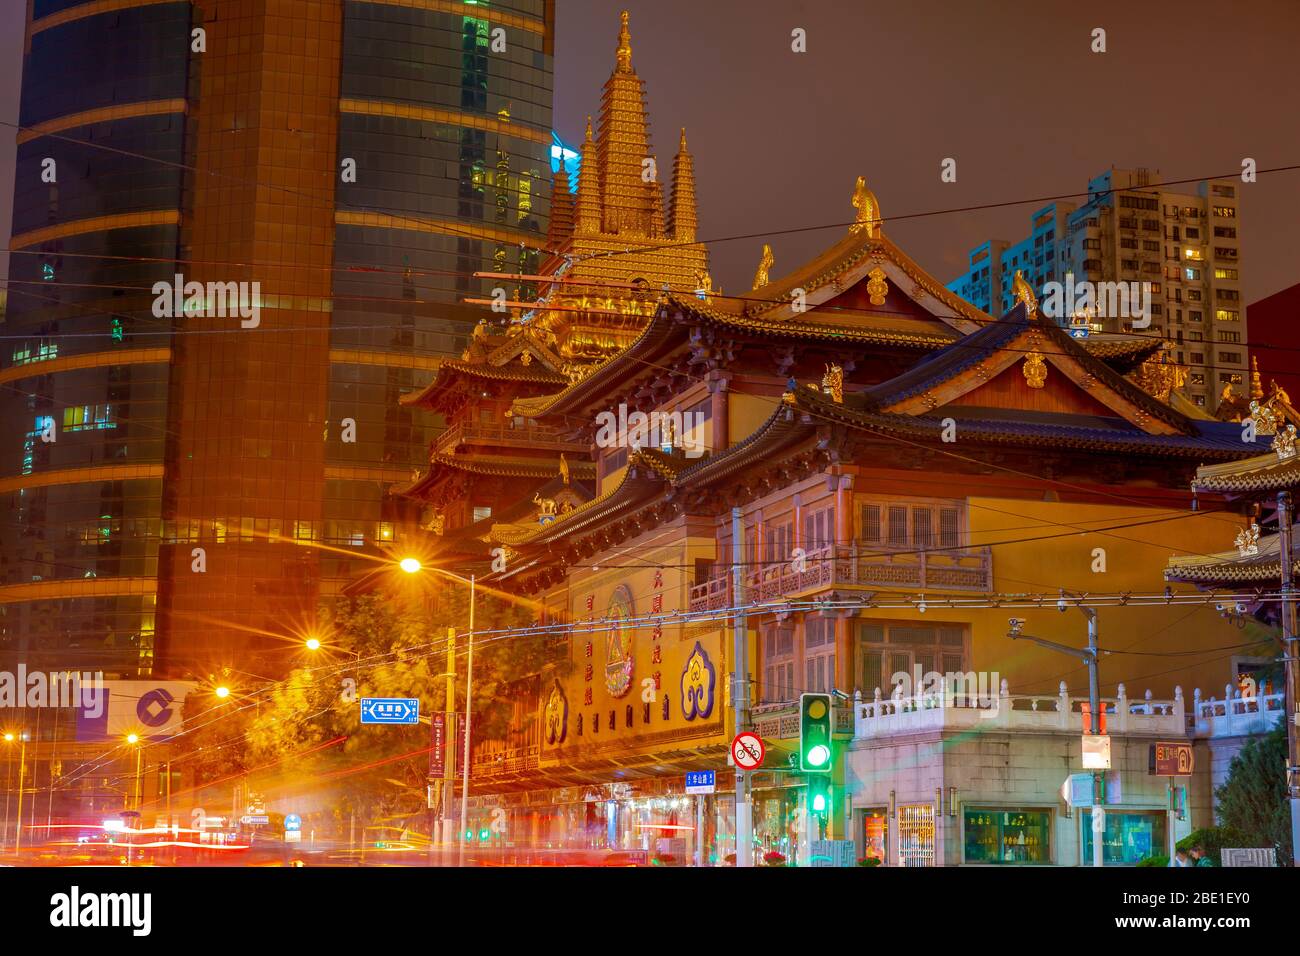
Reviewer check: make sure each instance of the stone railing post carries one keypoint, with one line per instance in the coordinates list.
(1063, 706)
(1227, 708)
(1196, 710)
(1121, 709)
(1178, 708)
(1150, 710)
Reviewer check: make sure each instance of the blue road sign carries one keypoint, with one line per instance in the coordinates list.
(700, 781)
(292, 822)
(390, 710)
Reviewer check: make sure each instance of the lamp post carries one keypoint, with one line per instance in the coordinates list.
(134, 741)
(469, 687)
(22, 764)
(1089, 656)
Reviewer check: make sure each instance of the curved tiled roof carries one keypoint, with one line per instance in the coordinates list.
(1230, 567)
(1260, 473)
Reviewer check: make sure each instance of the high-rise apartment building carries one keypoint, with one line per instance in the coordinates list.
(178, 490)
(1184, 246)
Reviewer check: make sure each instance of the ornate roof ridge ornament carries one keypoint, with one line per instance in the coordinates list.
(1021, 291)
(624, 54)
(1247, 540)
(1284, 442)
(868, 210)
(833, 383)
(765, 263)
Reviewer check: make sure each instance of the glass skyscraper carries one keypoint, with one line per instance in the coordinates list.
(180, 489)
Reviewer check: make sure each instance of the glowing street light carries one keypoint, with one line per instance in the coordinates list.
(410, 565)
(223, 692)
(313, 644)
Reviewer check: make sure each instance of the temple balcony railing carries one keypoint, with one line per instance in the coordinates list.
(946, 569)
(961, 708)
(505, 436)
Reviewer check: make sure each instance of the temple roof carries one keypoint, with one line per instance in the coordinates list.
(1232, 567)
(1257, 474)
(494, 465)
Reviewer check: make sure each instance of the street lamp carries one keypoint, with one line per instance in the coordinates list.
(1089, 656)
(410, 565)
(222, 692)
(22, 763)
(313, 643)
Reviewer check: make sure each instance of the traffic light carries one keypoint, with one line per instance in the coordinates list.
(815, 733)
(819, 795)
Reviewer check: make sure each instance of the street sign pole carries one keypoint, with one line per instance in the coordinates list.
(469, 688)
(740, 691)
(1098, 776)
(449, 739)
(1291, 668)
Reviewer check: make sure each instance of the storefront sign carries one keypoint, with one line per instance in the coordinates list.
(1171, 760)
(698, 680)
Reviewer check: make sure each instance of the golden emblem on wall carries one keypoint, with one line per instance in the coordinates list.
(1035, 369)
(555, 719)
(1022, 292)
(765, 262)
(877, 287)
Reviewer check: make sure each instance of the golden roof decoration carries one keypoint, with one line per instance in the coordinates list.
(867, 218)
(833, 383)
(1021, 291)
(564, 468)
(624, 54)
(1159, 376)
(1284, 442)
(765, 263)
(1035, 369)
(1247, 540)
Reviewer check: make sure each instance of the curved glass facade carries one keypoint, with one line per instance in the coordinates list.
(169, 162)
(82, 513)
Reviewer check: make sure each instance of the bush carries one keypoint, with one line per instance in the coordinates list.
(1154, 861)
(1212, 840)
(869, 861)
(774, 858)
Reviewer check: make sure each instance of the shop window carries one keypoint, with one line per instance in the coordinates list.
(916, 835)
(1129, 837)
(875, 835)
(1007, 836)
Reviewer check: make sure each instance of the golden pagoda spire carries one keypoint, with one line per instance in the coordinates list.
(1256, 385)
(764, 264)
(629, 198)
(682, 215)
(624, 45)
(561, 225)
(587, 213)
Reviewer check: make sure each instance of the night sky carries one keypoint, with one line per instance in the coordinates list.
(1010, 89)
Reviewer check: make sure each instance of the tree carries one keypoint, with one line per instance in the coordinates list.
(1253, 799)
(306, 727)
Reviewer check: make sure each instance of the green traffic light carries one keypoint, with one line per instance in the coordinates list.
(819, 803)
(818, 754)
(483, 834)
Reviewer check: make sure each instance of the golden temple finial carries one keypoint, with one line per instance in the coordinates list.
(765, 262)
(833, 383)
(1022, 291)
(1276, 391)
(586, 215)
(564, 468)
(1247, 540)
(624, 45)
(1256, 386)
(1035, 369)
(868, 210)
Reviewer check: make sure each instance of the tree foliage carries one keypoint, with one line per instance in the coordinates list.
(306, 727)
(1252, 800)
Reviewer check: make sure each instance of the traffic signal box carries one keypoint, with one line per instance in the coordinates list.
(815, 725)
